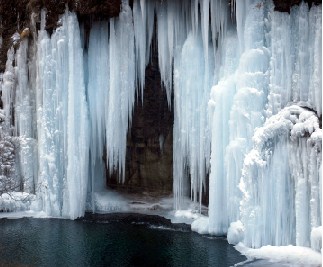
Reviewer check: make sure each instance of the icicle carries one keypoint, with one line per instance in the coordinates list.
(150, 21)
(97, 91)
(219, 18)
(315, 25)
(139, 21)
(191, 138)
(294, 69)
(205, 4)
(165, 59)
(121, 89)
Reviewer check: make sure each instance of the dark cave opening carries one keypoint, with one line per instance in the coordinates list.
(149, 158)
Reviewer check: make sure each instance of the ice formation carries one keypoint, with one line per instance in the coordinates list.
(246, 91)
(276, 152)
(283, 166)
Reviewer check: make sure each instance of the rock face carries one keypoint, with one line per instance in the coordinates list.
(15, 16)
(149, 160)
(285, 5)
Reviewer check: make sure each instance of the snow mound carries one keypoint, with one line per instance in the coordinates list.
(235, 233)
(201, 225)
(316, 238)
(294, 255)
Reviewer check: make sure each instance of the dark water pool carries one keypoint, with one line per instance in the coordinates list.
(55, 242)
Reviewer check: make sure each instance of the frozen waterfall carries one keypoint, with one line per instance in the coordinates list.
(246, 89)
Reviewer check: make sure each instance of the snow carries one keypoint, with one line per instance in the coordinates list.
(235, 233)
(110, 202)
(294, 255)
(16, 201)
(201, 225)
(316, 238)
(15, 38)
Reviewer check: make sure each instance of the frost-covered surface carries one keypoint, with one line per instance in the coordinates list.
(201, 225)
(316, 238)
(235, 233)
(293, 255)
(16, 201)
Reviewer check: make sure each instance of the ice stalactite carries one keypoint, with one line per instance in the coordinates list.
(281, 195)
(97, 92)
(127, 48)
(191, 141)
(296, 47)
(121, 89)
(119, 51)
(176, 20)
(184, 40)
(62, 120)
(143, 22)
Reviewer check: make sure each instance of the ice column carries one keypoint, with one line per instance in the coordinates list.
(97, 92)
(62, 120)
(24, 121)
(237, 108)
(7, 88)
